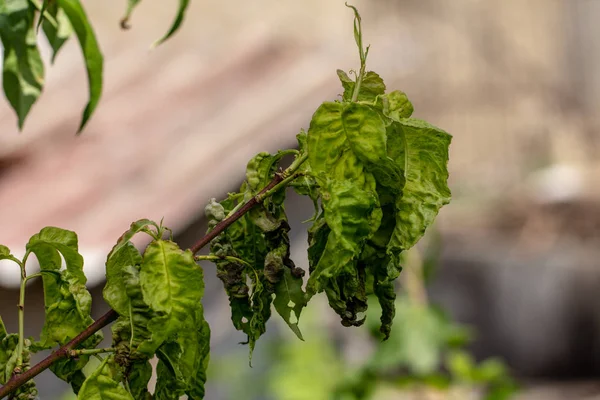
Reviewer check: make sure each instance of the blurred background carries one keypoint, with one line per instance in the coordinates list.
(513, 259)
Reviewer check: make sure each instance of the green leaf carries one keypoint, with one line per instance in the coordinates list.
(67, 301)
(306, 185)
(281, 272)
(68, 305)
(345, 139)
(3, 332)
(250, 305)
(23, 69)
(317, 240)
(289, 297)
(169, 383)
(48, 242)
(104, 383)
(371, 86)
(6, 255)
(366, 133)
(8, 354)
(91, 53)
(28, 390)
(186, 360)
(347, 154)
(172, 285)
(57, 34)
(395, 105)
(352, 214)
(381, 266)
(260, 171)
(141, 225)
(138, 379)
(183, 5)
(123, 292)
(115, 292)
(423, 150)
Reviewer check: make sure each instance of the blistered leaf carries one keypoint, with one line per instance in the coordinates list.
(214, 211)
(172, 284)
(67, 301)
(141, 225)
(28, 390)
(260, 170)
(23, 69)
(349, 198)
(383, 269)
(183, 5)
(306, 185)
(132, 329)
(345, 139)
(115, 291)
(352, 215)
(424, 154)
(366, 133)
(104, 383)
(168, 386)
(57, 34)
(68, 305)
(138, 379)
(186, 360)
(8, 353)
(48, 242)
(91, 53)
(395, 105)
(371, 86)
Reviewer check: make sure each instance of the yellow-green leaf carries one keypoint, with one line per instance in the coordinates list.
(104, 383)
(424, 153)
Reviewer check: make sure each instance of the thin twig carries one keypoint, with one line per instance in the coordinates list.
(17, 380)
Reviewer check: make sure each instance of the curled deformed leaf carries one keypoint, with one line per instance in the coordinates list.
(8, 353)
(118, 271)
(183, 362)
(105, 383)
(371, 86)
(366, 134)
(395, 105)
(172, 284)
(424, 153)
(138, 377)
(141, 225)
(28, 390)
(67, 301)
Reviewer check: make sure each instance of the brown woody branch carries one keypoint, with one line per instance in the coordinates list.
(64, 351)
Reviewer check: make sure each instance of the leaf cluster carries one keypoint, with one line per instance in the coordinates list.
(377, 178)
(23, 68)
